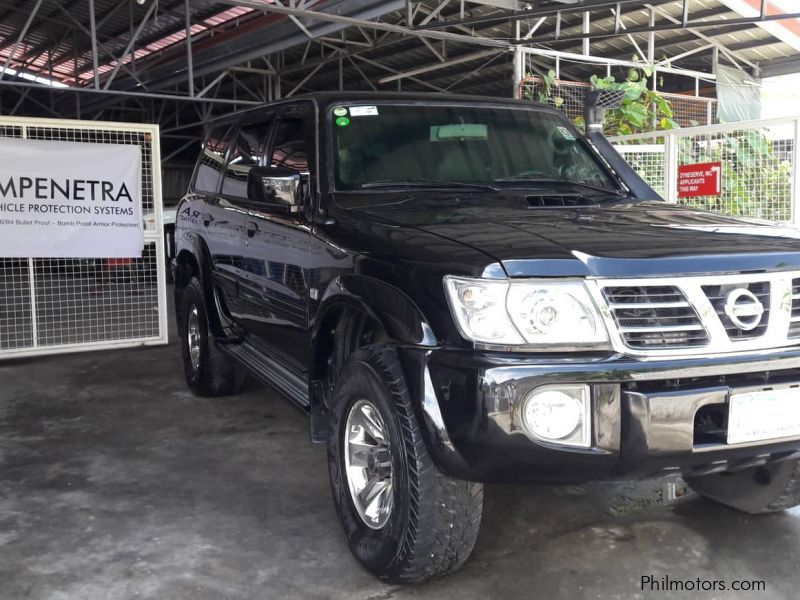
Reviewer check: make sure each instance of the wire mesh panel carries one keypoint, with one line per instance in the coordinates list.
(757, 158)
(757, 171)
(143, 139)
(51, 305)
(16, 317)
(569, 97)
(649, 162)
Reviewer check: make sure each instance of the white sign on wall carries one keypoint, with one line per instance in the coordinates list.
(70, 200)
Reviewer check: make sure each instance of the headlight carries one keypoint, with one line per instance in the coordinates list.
(547, 314)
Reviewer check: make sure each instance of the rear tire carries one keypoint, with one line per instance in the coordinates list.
(766, 489)
(433, 520)
(208, 371)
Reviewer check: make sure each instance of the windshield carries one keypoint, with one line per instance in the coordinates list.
(389, 145)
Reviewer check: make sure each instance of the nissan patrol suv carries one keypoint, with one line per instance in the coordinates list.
(461, 290)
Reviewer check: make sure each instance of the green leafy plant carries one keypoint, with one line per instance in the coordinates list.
(756, 173)
(642, 109)
(545, 95)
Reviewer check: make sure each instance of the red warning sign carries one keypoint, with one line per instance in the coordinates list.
(702, 179)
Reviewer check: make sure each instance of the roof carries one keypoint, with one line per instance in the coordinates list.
(56, 43)
(245, 53)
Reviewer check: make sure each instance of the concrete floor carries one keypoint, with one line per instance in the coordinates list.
(116, 483)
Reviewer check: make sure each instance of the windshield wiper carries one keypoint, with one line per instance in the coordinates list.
(429, 183)
(566, 181)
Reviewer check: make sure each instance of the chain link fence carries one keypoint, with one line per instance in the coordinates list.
(54, 305)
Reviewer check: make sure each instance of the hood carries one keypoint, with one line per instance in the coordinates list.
(620, 240)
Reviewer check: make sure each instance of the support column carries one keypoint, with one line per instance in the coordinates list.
(93, 31)
(189, 59)
(796, 175)
(586, 29)
(519, 71)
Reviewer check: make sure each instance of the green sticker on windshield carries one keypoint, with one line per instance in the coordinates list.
(342, 121)
(340, 111)
(565, 133)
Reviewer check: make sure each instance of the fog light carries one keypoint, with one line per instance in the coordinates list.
(559, 414)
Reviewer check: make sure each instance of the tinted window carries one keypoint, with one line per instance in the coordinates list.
(394, 143)
(211, 161)
(246, 153)
(290, 149)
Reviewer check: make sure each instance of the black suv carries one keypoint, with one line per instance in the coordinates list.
(459, 290)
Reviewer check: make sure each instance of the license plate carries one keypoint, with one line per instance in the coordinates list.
(765, 415)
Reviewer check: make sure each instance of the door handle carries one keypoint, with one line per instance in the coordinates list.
(207, 218)
(251, 229)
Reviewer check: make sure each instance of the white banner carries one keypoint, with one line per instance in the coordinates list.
(70, 200)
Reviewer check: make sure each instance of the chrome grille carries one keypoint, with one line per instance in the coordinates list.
(655, 316)
(685, 315)
(717, 295)
(794, 326)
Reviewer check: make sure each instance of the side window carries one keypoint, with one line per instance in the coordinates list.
(247, 152)
(291, 148)
(209, 167)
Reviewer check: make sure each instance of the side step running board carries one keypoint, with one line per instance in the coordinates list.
(270, 372)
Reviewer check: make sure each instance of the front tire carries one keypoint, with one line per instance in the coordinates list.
(765, 489)
(403, 519)
(208, 371)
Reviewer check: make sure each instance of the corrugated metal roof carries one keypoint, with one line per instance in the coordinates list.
(748, 43)
(49, 40)
(57, 43)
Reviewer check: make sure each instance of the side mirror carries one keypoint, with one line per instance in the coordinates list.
(277, 186)
(596, 105)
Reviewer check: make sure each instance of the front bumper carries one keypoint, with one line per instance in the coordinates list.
(644, 413)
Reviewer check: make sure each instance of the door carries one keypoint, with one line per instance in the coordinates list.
(219, 224)
(277, 251)
(247, 150)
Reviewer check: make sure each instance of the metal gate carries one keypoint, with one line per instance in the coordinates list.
(56, 305)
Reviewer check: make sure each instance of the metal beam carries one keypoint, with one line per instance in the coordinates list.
(93, 34)
(131, 42)
(436, 66)
(112, 37)
(123, 93)
(677, 57)
(100, 45)
(361, 72)
(720, 47)
(547, 10)
(306, 78)
(249, 42)
(612, 61)
(388, 27)
(189, 64)
(674, 24)
(211, 85)
(21, 37)
(780, 66)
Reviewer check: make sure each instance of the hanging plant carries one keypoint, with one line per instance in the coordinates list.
(642, 108)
